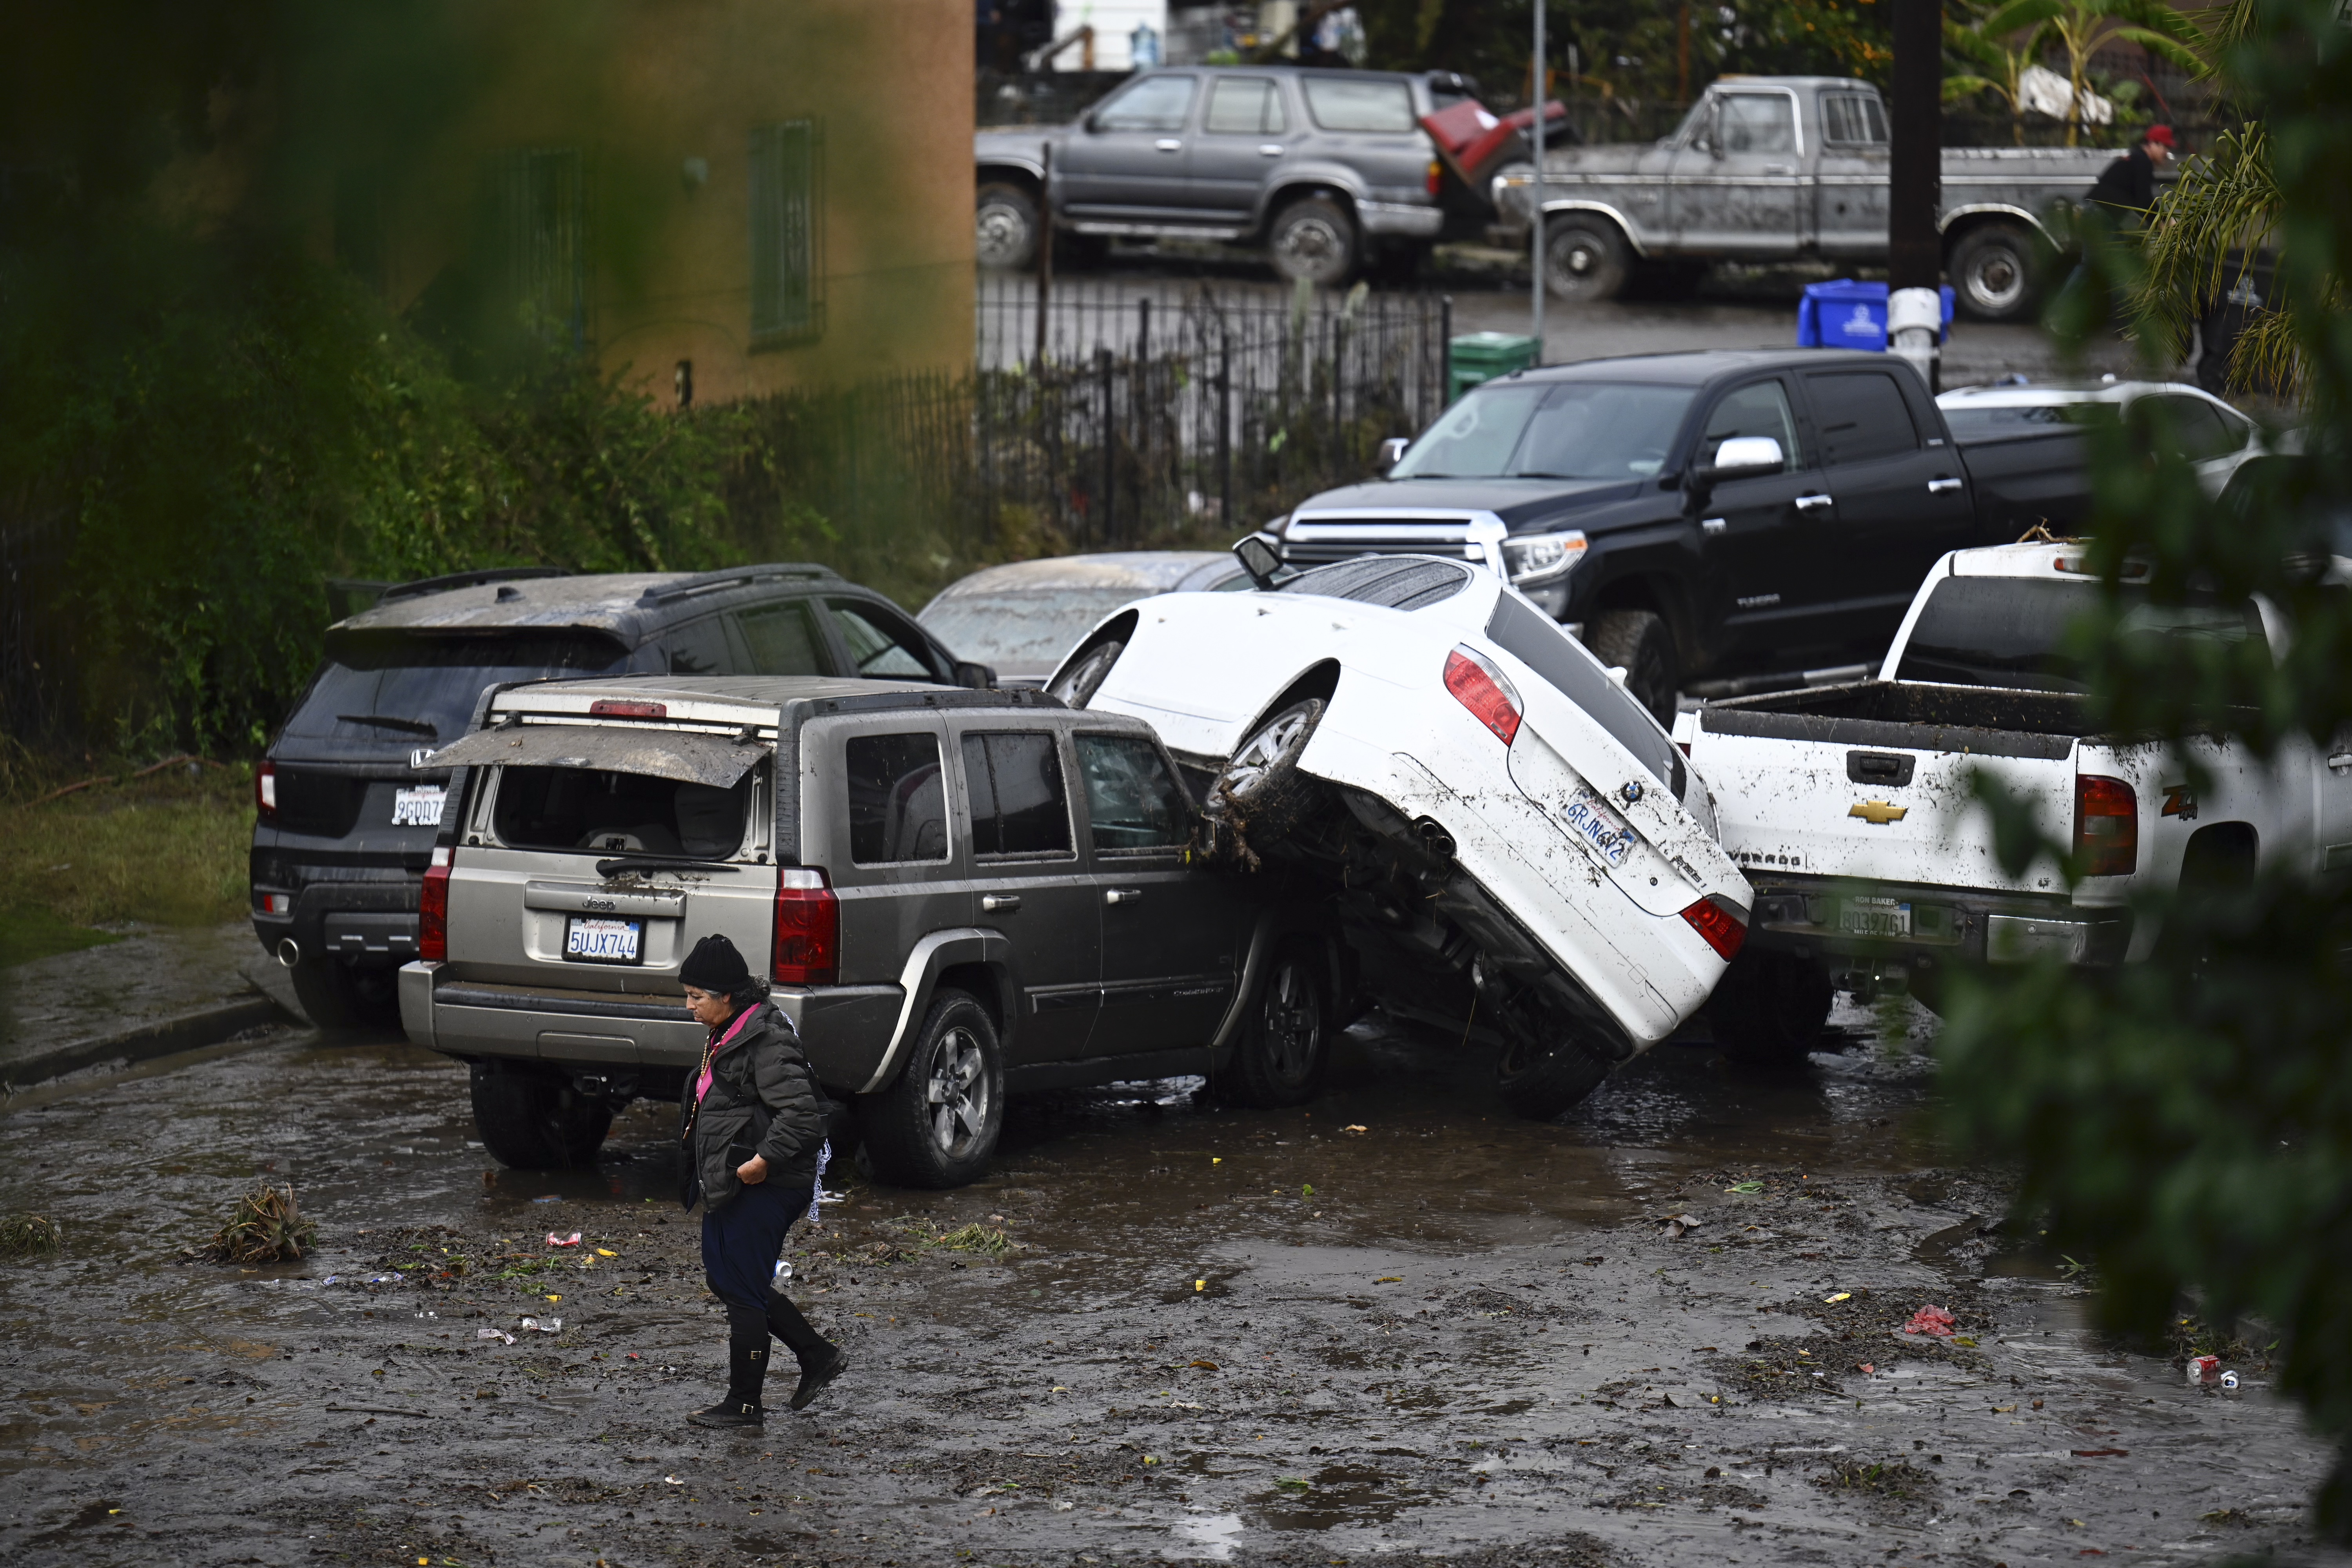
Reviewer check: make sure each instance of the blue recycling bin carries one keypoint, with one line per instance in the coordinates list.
(1844, 314)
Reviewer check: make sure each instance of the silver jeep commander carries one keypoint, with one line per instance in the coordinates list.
(958, 893)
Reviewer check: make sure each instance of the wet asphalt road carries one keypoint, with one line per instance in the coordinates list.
(1221, 1336)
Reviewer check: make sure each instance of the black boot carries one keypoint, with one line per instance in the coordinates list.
(821, 1359)
(746, 1371)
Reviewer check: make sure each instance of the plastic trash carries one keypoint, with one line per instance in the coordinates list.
(495, 1334)
(1678, 1226)
(552, 1325)
(2203, 1369)
(783, 1272)
(555, 1240)
(1931, 1320)
(2229, 1380)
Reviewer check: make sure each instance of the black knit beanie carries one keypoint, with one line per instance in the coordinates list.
(715, 966)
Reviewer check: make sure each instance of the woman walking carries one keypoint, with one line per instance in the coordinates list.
(752, 1128)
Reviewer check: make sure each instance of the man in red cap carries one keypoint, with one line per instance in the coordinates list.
(2126, 187)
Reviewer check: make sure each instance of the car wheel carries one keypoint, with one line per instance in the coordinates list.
(1585, 259)
(1314, 238)
(1991, 270)
(1076, 685)
(1006, 227)
(937, 1124)
(338, 996)
(1286, 1044)
(1770, 1008)
(535, 1120)
(1541, 1075)
(1638, 642)
(1260, 794)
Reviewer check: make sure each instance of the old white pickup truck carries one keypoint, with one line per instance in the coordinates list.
(1768, 168)
(1849, 807)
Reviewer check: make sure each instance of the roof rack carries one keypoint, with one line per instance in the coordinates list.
(734, 577)
(470, 580)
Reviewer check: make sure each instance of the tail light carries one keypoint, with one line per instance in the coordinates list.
(808, 929)
(1483, 690)
(2107, 826)
(616, 708)
(1715, 920)
(265, 791)
(433, 911)
(1437, 176)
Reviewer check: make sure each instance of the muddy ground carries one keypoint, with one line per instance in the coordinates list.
(1400, 1323)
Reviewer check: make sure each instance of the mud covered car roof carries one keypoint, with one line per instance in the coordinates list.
(1142, 570)
(624, 603)
(813, 693)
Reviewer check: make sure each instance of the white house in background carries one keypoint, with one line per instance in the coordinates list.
(1115, 22)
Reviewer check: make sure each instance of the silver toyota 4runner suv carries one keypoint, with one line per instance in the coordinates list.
(956, 894)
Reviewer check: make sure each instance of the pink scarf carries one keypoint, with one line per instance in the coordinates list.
(702, 1086)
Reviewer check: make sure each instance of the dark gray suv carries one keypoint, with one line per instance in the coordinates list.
(346, 817)
(955, 894)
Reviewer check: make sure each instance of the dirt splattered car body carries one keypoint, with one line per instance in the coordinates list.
(1518, 849)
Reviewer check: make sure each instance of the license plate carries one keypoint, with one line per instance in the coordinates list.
(590, 939)
(1598, 829)
(1874, 917)
(418, 807)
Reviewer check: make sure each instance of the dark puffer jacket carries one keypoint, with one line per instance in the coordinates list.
(763, 1100)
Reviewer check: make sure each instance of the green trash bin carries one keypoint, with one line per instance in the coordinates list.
(1482, 356)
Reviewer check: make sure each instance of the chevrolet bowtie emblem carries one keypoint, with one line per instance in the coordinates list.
(1878, 813)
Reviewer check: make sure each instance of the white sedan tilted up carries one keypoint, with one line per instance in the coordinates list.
(1518, 849)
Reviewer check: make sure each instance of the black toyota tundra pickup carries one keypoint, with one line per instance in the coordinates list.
(1738, 513)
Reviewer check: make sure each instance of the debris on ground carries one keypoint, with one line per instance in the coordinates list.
(555, 1240)
(552, 1326)
(494, 1334)
(267, 1227)
(1896, 1479)
(23, 1234)
(987, 1239)
(1932, 1321)
(1678, 1226)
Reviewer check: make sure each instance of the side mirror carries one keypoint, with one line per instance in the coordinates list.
(1393, 452)
(1744, 457)
(1262, 562)
(979, 676)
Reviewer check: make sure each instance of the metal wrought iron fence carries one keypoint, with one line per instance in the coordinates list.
(36, 692)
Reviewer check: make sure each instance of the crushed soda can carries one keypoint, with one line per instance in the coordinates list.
(2230, 1380)
(783, 1272)
(2203, 1369)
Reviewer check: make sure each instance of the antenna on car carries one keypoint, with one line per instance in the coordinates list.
(1264, 566)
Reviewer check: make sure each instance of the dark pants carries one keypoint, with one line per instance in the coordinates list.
(741, 1243)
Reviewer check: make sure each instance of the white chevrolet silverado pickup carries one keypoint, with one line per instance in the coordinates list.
(1850, 808)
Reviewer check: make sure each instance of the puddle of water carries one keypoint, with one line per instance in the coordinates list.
(1211, 1537)
(1335, 1496)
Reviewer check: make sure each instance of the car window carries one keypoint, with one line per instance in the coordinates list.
(699, 648)
(1970, 421)
(1133, 801)
(1411, 583)
(1154, 103)
(2012, 631)
(1862, 416)
(1024, 629)
(898, 801)
(1337, 103)
(1538, 641)
(610, 812)
(1761, 409)
(1013, 781)
(1757, 123)
(882, 646)
(1579, 430)
(1244, 106)
(2197, 429)
(407, 689)
(781, 639)
(1852, 119)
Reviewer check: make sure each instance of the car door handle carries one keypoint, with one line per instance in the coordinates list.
(1123, 896)
(1942, 483)
(1711, 526)
(1168, 144)
(992, 903)
(1810, 503)
(1270, 149)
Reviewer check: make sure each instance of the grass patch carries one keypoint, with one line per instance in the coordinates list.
(24, 1234)
(980, 1238)
(267, 1227)
(168, 850)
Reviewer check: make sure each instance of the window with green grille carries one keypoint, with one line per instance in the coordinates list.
(787, 233)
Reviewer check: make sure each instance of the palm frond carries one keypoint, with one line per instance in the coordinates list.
(2185, 56)
(2202, 238)
(2020, 15)
(2268, 356)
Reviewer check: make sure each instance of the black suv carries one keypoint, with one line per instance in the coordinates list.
(347, 815)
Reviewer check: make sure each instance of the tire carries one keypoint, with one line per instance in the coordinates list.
(937, 1124)
(1586, 261)
(1991, 269)
(1005, 227)
(1639, 642)
(1539, 1076)
(1283, 1054)
(340, 997)
(1260, 792)
(535, 1121)
(1315, 238)
(1769, 1008)
(1078, 688)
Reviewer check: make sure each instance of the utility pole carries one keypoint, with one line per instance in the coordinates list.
(1915, 313)
(1536, 299)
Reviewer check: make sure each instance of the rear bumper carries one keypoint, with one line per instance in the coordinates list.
(1949, 925)
(844, 1028)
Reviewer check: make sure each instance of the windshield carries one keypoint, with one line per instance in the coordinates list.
(1024, 632)
(1580, 430)
(1969, 423)
(410, 690)
(2011, 631)
(604, 812)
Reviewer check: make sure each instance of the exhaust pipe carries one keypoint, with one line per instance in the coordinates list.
(289, 952)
